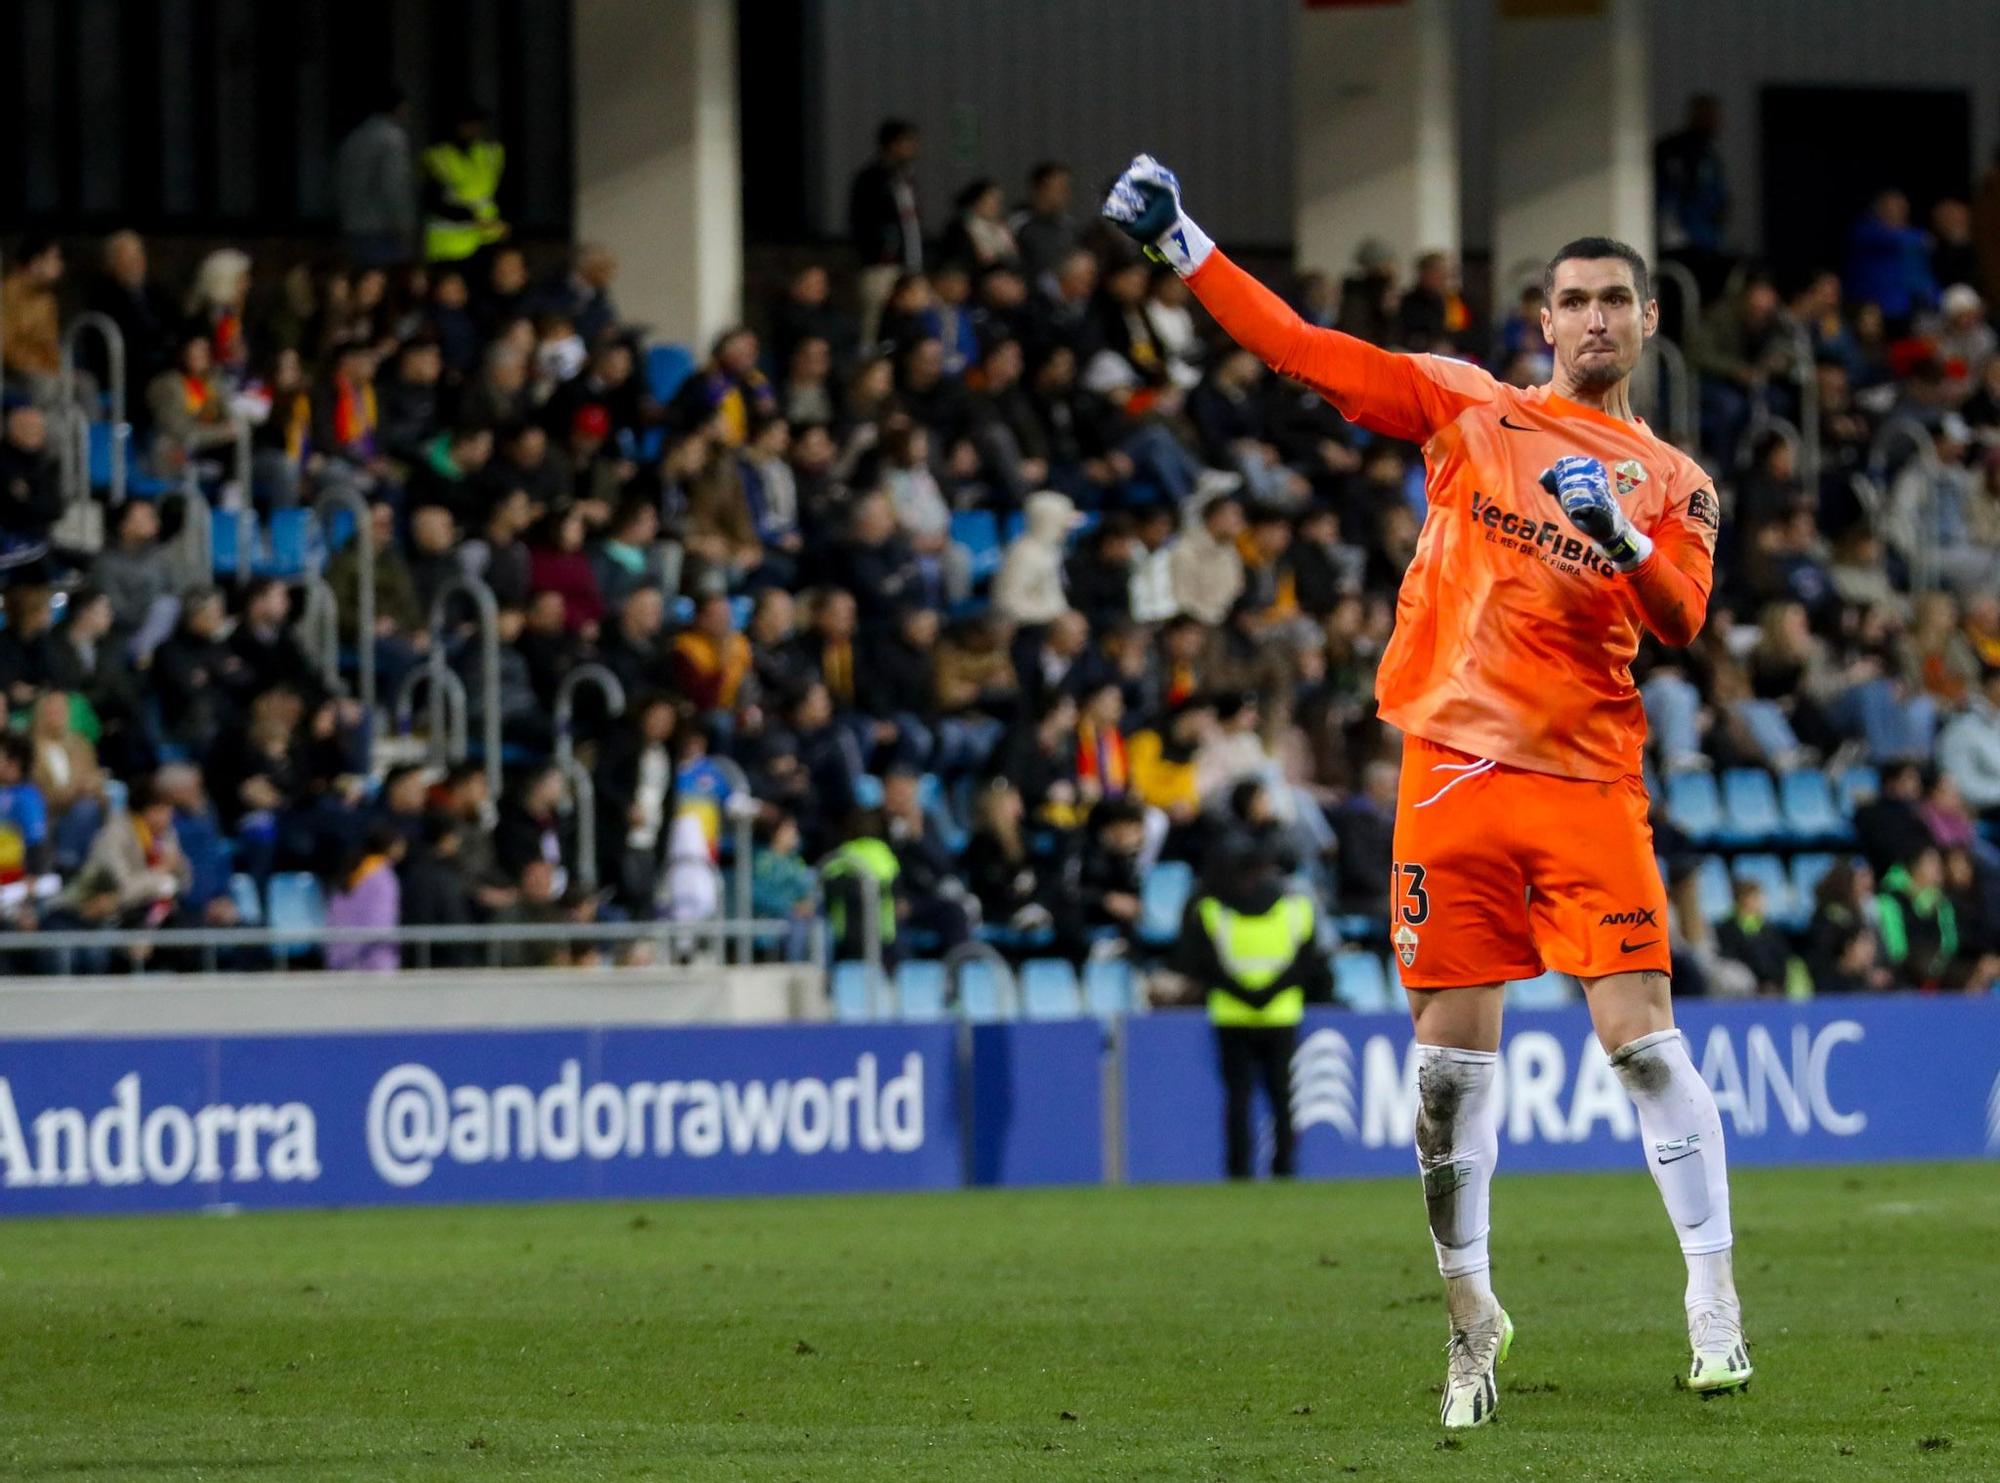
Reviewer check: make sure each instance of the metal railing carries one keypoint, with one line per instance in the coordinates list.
(1805, 372)
(201, 949)
(319, 629)
(982, 952)
(465, 585)
(107, 330)
(740, 809)
(582, 786)
(1674, 393)
(1669, 271)
(448, 740)
(1903, 429)
(364, 587)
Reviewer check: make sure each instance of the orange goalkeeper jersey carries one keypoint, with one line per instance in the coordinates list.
(1514, 638)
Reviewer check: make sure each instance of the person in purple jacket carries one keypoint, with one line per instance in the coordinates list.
(368, 895)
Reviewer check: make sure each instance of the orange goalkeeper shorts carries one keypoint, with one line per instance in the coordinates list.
(1501, 872)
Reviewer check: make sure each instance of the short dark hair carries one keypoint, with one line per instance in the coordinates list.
(1600, 247)
(1045, 171)
(893, 131)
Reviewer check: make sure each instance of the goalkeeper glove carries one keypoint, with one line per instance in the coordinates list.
(1145, 204)
(1584, 488)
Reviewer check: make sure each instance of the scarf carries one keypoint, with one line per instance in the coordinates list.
(353, 413)
(1101, 758)
(368, 866)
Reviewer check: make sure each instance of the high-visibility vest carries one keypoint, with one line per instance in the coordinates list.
(866, 856)
(1253, 952)
(470, 178)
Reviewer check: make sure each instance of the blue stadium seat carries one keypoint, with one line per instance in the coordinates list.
(102, 441)
(1695, 805)
(1807, 872)
(920, 989)
(979, 532)
(1162, 899)
(1109, 987)
(1856, 786)
(1768, 871)
(853, 1004)
(1749, 807)
(1012, 526)
(1550, 990)
(287, 549)
(232, 541)
(1049, 990)
(982, 997)
(868, 791)
(339, 528)
(1811, 816)
(740, 609)
(249, 903)
(294, 904)
(1711, 885)
(667, 369)
(1360, 982)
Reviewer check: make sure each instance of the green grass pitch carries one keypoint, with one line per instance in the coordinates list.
(1205, 1333)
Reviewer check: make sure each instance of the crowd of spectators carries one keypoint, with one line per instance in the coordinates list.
(1174, 642)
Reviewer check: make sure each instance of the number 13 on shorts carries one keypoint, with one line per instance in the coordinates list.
(1409, 907)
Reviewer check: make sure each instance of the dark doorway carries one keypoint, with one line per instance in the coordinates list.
(1828, 151)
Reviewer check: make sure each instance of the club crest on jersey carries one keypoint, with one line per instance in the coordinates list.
(1630, 474)
(1406, 946)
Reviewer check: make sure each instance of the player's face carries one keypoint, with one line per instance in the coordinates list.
(1596, 322)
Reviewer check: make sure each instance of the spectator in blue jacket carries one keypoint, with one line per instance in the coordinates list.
(1889, 261)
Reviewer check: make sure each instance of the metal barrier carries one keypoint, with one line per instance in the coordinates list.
(604, 682)
(208, 944)
(106, 328)
(319, 630)
(447, 742)
(1805, 371)
(364, 617)
(1906, 429)
(582, 787)
(1669, 271)
(1677, 396)
(489, 664)
(967, 952)
(740, 808)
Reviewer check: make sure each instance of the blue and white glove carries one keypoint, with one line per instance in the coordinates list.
(1145, 205)
(1583, 485)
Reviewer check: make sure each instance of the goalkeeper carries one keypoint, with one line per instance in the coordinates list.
(1560, 529)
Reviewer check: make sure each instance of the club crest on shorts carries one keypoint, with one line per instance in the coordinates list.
(1630, 474)
(1406, 945)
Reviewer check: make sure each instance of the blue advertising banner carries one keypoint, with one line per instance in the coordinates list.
(367, 1119)
(1038, 1103)
(1826, 1081)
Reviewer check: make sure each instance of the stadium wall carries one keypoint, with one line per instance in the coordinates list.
(999, 84)
(131, 1122)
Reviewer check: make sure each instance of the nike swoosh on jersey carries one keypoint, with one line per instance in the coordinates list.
(1513, 427)
(1677, 1156)
(1633, 947)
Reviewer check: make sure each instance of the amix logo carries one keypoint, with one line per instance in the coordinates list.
(1641, 918)
(1545, 540)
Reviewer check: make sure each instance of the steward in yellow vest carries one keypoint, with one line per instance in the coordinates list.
(1250, 945)
(461, 192)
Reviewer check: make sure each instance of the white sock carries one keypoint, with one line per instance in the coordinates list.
(1680, 1132)
(1458, 1144)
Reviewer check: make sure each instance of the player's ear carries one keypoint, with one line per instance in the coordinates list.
(1548, 327)
(1649, 318)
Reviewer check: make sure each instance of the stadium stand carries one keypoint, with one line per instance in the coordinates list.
(948, 589)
